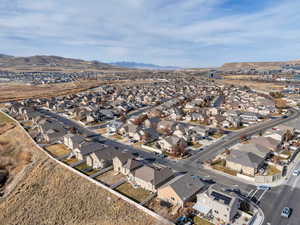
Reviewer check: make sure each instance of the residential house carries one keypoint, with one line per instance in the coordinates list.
(101, 159)
(73, 141)
(267, 142)
(218, 202)
(173, 145)
(120, 161)
(86, 148)
(150, 177)
(246, 161)
(181, 189)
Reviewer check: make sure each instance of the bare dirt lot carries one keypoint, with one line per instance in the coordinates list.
(262, 86)
(18, 91)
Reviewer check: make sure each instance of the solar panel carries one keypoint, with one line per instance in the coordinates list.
(218, 196)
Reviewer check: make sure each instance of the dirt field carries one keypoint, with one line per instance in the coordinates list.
(262, 86)
(17, 91)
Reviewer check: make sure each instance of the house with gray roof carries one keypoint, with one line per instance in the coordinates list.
(102, 158)
(150, 177)
(86, 148)
(244, 162)
(181, 189)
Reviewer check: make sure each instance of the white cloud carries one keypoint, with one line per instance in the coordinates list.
(183, 32)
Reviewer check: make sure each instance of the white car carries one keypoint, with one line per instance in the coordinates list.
(296, 172)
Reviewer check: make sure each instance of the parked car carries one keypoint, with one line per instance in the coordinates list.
(296, 172)
(286, 212)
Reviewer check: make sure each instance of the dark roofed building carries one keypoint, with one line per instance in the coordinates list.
(181, 189)
(151, 177)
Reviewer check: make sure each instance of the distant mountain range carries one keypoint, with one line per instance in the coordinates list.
(43, 61)
(5, 56)
(138, 65)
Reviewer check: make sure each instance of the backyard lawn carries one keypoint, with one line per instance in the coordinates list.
(221, 166)
(82, 166)
(70, 161)
(110, 177)
(138, 194)
(58, 149)
(272, 170)
(200, 221)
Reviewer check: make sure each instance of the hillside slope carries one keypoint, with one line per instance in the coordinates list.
(52, 195)
(50, 62)
(41, 192)
(257, 65)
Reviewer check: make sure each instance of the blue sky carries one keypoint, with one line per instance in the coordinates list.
(186, 33)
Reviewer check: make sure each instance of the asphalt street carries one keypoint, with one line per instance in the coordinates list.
(271, 202)
(287, 195)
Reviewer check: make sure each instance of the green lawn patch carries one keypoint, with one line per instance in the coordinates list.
(199, 221)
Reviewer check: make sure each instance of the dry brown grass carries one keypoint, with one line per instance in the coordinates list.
(138, 194)
(110, 177)
(17, 91)
(58, 150)
(52, 195)
(263, 86)
(48, 194)
(5, 119)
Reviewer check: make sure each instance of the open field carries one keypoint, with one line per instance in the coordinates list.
(53, 195)
(18, 91)
(262, 86)
(137, 194)
(15, 155)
